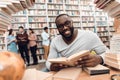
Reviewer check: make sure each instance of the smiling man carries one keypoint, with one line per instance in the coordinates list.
(71, 41)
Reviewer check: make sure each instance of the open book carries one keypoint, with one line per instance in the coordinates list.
(70, 60)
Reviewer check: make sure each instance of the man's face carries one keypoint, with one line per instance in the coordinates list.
(46, 30)
(21, 30)
(65, 26)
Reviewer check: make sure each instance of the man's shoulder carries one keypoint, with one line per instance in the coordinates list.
(57, 38)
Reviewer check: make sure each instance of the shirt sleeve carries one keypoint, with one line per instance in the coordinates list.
(52, 54)
(98, 46)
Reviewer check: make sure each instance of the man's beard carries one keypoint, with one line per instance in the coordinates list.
(70, 36)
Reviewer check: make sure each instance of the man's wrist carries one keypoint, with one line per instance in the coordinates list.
(101, 61)
(54, 67)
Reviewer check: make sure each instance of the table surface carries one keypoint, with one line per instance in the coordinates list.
(85, 76)
(31, 75)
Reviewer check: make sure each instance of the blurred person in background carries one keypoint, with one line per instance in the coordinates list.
(45, 42)
(33, 45)
(11, 42)
(22, 40)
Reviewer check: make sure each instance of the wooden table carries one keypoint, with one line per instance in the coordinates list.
(37, 75)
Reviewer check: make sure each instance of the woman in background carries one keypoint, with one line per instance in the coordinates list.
(33, 45)
(11, 42)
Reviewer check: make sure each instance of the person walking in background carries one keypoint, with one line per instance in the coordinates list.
(11, 42)
(46, 41)
(22, 40)
(33, 45)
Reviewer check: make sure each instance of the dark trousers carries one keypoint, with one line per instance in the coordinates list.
(33, 52)
(23, 49)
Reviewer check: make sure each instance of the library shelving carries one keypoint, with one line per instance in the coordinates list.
(83, 13)
(111, 7)
(7, 8)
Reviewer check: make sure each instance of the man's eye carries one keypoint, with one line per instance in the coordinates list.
(67, 22)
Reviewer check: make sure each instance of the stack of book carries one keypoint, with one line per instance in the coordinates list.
(99, 69)
(110, 6)
(113, 60)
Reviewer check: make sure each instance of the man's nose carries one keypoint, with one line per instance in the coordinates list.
(65, 27)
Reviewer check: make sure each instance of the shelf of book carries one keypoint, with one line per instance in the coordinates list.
(7, 8)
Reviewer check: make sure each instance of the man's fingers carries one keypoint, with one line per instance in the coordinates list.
(92, 64)
(63, 66)
(86, 57)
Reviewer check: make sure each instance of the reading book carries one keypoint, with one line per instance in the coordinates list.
(99, 69)
(70, 60)
(68, 74)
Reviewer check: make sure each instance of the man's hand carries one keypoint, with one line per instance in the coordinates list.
(89, 61)
(57, 67)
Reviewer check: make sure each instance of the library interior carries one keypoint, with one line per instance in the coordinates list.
(59, 39)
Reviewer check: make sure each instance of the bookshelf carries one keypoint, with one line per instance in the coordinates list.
(7, 8)
(2, 43)
(111, 7)
(83, 12)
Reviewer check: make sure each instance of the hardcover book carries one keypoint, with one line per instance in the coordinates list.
(99, 69)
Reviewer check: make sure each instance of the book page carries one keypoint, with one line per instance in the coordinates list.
(70, 60)
(78, 55)
(61, 60)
